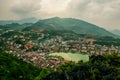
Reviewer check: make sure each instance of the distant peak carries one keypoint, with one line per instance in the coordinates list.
(56, 17)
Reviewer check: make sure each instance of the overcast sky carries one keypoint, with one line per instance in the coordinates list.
(105, 13)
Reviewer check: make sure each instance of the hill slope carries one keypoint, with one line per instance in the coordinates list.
(116, 32)
(78, 26)
(12, 68)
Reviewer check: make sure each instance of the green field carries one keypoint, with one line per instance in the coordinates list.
(72, 56)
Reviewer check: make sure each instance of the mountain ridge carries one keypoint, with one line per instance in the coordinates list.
(76, 25)
(58, 24)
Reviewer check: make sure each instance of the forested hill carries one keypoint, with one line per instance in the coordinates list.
(100, 67)
(12, 68)
(71, 24)
(58, 24)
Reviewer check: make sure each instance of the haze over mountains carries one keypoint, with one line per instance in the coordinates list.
(22, 21)
(56, 23)
(76, 25)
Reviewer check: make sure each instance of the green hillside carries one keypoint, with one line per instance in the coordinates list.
(76, 25)
(12, 68)
(100, 67)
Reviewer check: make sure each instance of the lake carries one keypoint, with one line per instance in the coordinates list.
(72, 56)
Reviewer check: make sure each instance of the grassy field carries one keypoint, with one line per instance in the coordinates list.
(72, 56)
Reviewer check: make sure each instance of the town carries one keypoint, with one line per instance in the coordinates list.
(35, 46)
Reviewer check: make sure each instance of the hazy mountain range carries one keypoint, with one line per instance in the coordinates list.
(76, 25)
(56, 23)
(22, 21)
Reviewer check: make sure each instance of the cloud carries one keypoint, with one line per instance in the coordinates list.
(5, 9)
(104, 13)
(39, 8)
(100, 12)
(93, 8)
(26, 8)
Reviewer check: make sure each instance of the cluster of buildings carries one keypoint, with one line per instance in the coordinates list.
(35, 47)
(81, 45)
(40, 59)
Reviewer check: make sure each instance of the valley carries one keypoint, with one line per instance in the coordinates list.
(53, 43)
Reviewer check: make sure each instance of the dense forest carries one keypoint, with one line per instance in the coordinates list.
(12, 68)
(108, 41)
(99, 67)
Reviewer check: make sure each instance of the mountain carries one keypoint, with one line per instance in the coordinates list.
(116, 32)
(76, 25)
(10, 26)
(27, 20)
(22, 21)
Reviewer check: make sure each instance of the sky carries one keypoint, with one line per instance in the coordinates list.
(104, 13)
